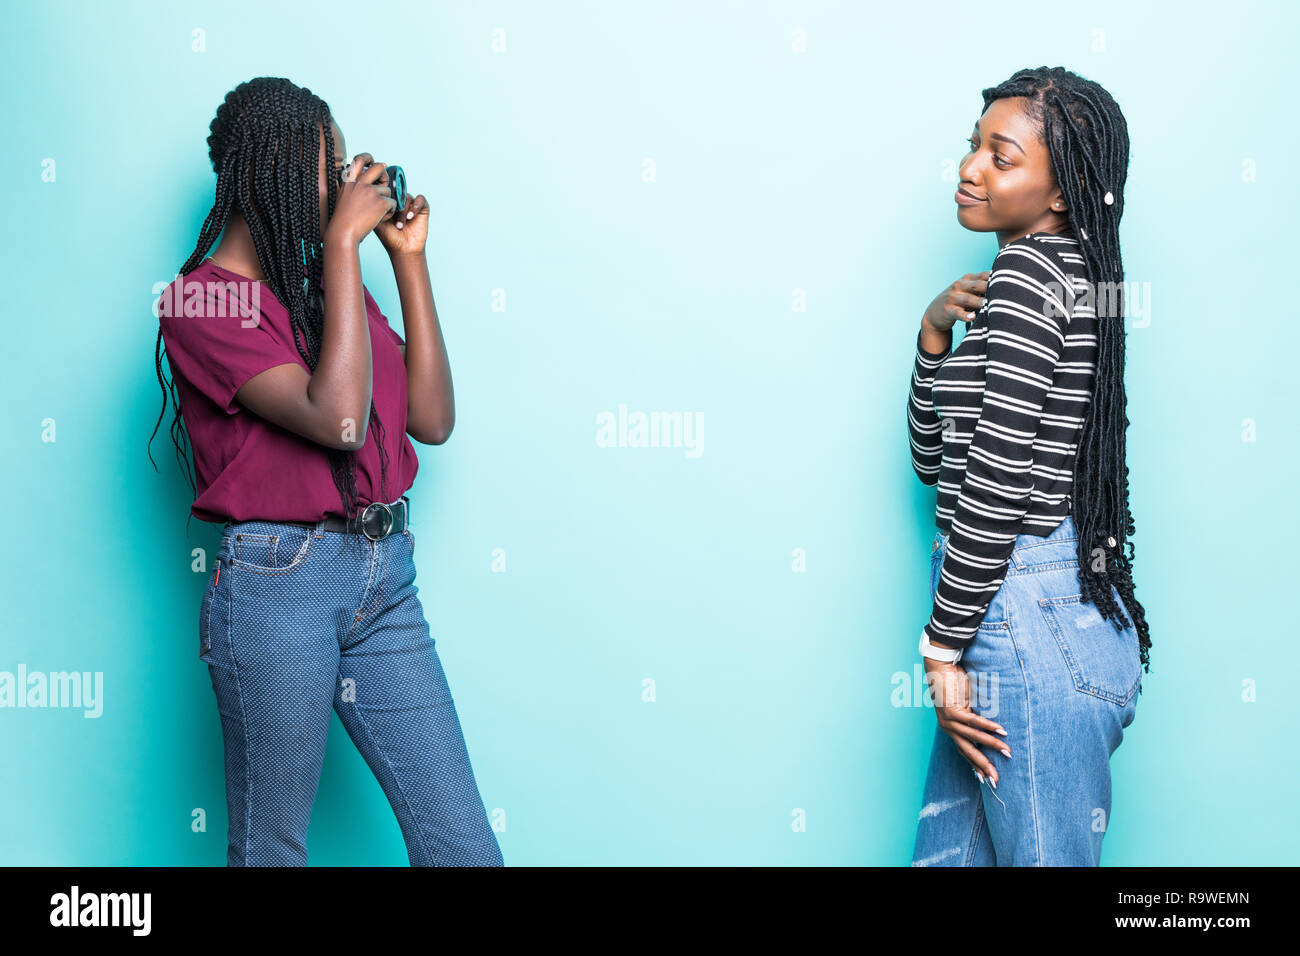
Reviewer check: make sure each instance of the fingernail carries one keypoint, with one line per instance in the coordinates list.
(1002, 732)
(410, 215)
(993, 783)
(399, 225)
(1006, 752)
(980, 775)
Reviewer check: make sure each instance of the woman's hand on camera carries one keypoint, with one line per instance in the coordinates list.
(959, 302)
(950, 691)
(406, 233)
(364, 201)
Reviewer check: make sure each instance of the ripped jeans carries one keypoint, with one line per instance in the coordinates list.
(1063, 683)
(297, 622)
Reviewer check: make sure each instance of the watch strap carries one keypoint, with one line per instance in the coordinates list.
(950, 655)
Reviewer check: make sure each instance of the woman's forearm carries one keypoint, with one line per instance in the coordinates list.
(343, 379)
(431, 410)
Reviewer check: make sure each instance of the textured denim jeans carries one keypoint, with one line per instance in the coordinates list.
(1063, 683)
(298, 621)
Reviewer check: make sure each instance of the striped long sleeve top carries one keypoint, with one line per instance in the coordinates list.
(995, 423)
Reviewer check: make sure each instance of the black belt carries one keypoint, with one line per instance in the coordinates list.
(377, 522)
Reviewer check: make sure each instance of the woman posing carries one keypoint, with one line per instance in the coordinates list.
(1033, 662)
(299, 398)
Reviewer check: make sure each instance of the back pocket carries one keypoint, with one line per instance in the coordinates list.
(1104, 662)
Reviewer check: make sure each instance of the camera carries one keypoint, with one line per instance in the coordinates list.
(396, 182)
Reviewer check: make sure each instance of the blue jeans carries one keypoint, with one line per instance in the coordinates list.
(297, 621)
(1063, 683)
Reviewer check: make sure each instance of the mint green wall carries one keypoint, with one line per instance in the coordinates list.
(775, 171)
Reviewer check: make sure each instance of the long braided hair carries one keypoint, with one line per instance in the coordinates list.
(264, 144)
(1087, 137)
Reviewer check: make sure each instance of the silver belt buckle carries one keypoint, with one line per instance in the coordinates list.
(386, 517)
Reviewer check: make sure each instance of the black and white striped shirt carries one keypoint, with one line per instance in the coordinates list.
(995, 423)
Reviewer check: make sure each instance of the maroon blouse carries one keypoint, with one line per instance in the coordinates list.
(220, 330)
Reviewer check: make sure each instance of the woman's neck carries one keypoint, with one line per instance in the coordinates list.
(235, 250)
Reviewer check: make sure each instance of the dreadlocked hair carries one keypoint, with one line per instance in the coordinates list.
(1087, 137)
(263, 144)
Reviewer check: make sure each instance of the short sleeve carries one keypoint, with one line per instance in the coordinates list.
(221, 333)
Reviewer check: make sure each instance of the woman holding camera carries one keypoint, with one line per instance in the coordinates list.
(299, 406)
(1036, 642)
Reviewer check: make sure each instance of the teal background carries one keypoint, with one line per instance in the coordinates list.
(776, 171)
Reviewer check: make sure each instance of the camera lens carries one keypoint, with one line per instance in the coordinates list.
(397, 185)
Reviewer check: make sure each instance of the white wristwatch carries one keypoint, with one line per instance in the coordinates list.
(950, 655)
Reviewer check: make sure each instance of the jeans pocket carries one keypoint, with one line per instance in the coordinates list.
(1103, 661)
(267, 548)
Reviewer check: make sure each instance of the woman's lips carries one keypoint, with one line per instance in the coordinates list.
(965, 199)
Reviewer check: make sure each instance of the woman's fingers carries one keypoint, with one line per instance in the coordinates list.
(966, 304)
(977, 760)
(354, 168)
(966, 296)
(977, 729)
(975, 720)
(969, 740)
(415, 206)
(374, 173)
(390, 203)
